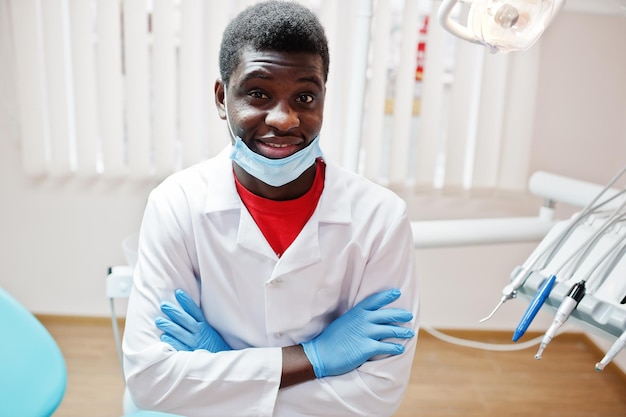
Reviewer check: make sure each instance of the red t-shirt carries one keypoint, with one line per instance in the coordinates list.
(281, 221)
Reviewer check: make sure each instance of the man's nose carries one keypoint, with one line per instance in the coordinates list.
(282, 117)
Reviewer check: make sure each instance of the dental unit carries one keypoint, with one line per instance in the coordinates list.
(522, 273)
(579, 271)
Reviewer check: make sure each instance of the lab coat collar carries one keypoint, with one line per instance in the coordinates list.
(221, 182)
(333, 207)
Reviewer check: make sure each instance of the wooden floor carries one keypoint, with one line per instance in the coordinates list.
(447, 381)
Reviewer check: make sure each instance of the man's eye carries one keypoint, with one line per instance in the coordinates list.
(257, 94)
(305, 98)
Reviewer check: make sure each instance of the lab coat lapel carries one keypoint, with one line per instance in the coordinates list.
(248, 234)
(333, 207)
(304, 251)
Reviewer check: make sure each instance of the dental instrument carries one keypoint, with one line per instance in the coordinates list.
(544, 291)
(576, 293)
(616, 348)
(596, 263)
(567, 307)
(510, 290)
(534, 307)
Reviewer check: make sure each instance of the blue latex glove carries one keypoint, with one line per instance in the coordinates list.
(355, 337)
(188, 329)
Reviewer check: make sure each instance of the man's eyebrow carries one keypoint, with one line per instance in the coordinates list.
(264, 75)
(315, 80)
(256, 75)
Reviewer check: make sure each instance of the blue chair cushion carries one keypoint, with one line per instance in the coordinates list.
(33, 375)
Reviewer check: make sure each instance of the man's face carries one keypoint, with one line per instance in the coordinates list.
(275, 101)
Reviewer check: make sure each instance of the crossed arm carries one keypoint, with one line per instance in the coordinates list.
(347, 343)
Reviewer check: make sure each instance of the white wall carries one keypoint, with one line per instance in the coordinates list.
(580, 123)
(58, 237)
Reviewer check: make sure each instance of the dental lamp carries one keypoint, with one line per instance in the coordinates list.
(501, 25)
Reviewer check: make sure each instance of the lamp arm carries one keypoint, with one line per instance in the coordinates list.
(443, 16)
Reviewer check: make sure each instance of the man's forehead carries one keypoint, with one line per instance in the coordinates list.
(264, 63)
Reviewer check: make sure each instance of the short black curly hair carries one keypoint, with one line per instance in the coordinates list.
(273, 25)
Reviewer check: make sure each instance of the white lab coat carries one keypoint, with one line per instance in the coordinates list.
(197, 235)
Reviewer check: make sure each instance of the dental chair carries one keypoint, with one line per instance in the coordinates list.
(33, 375)
(119, 282)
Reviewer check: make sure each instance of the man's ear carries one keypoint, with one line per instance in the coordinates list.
(220, 95)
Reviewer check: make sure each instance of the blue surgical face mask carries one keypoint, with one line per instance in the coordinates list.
(274, 172)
